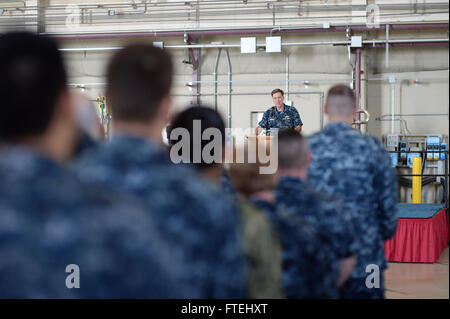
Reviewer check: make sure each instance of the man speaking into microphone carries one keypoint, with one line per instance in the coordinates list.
(280, 115)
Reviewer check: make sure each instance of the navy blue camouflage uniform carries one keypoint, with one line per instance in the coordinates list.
(288, 118)
(49, 220)
(310, 266)
(321, 210)
(201, 227)
(226, 185)
(356, 168)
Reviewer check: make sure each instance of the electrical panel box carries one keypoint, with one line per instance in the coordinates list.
(394, 159)
(410, 157)
(433, 140)
(429, 152)
(273, 44)
(392, 140)
(404, 147)
(442, 149)
(436, 148)
(433, 148)
(248, 45)
(356, 42)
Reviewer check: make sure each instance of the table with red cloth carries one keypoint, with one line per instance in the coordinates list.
(421, 235)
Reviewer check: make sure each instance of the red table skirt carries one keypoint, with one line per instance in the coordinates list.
(418, 240)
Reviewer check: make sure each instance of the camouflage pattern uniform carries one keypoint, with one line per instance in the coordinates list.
(201, 227)
(320, 210)
(262, 249)
(310, 266)
(49, 220)
(288, 118)
(261, 245)
(226, 186)
(356, 168)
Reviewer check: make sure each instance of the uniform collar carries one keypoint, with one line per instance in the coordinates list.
(137, 148)
(287, 180)
(294, 185)
(266, 206)
(284, 108)
(23, 161)
(337, 127)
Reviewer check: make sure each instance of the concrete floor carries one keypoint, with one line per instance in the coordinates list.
(418, 281)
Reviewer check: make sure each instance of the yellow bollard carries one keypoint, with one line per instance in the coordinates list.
(417, 181)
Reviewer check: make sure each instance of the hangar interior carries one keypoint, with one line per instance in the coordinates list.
(230, 54)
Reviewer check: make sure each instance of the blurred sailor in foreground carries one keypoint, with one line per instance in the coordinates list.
(60, 238)
(200, 225)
